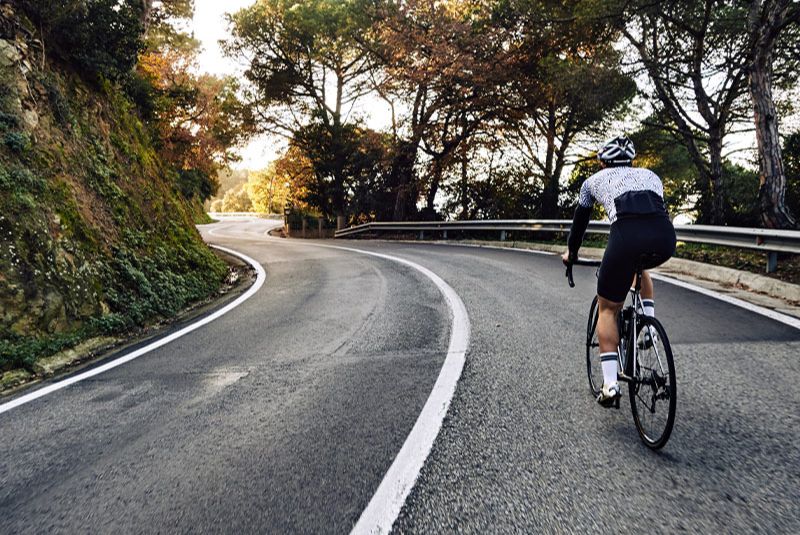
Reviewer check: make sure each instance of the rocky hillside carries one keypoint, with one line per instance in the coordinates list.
(95, 237)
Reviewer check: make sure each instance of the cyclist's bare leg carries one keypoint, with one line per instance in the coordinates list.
(608, 337)
(607, 330)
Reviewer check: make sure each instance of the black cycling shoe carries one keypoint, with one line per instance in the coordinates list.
(609, 395)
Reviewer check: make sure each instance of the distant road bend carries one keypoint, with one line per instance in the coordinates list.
(285, 414)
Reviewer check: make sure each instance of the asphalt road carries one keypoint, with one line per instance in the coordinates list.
(283, 415)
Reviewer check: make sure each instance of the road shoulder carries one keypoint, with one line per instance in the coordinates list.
(94, 351)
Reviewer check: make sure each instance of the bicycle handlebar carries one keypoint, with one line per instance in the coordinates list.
(579, 262)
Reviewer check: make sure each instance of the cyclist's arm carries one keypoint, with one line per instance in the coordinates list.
(580, 221)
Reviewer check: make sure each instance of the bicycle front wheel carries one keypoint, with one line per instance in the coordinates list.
(653, 390)
(593, 366)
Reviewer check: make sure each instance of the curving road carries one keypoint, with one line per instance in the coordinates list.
(284, 414)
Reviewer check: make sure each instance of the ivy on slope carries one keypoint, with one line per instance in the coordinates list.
(95, 237)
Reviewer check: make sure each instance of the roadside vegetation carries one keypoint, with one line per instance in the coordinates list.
(108, 148)
(496, 106)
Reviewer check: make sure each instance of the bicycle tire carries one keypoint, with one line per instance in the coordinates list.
(654, 389)
(594, 368)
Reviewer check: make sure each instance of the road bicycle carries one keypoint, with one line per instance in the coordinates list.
(644, 360)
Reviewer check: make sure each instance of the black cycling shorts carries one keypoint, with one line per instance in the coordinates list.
(629, 239)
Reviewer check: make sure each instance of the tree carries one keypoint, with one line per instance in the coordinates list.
(237, 200)
(306, 68)
(692, 52)
(446, 64)
(791, 156)
(659, 150)
(767, 23)
(295, 169)
(343, 160)
(198, 119)
(570, 85)
(268, 191)
(489, 182)
(702, 59)
(101, 38)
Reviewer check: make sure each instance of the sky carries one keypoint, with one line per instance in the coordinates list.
(209, 26)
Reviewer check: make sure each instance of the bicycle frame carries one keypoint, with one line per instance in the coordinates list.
(629, 335)
(626, 335)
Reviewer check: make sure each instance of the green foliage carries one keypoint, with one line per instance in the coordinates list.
(92, 220)
(236, 200)
(348, 164)
(141, 91)
(8, 121)
(791, 162)
(101, 38)
(22, 352)
(58, 102)
(161, 282)
(742, 196)
(196, 184)
(503, 195)
(21, 180)
(18, 142)
(659, 151)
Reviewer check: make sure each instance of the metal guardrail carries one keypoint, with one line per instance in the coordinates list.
(767, 240)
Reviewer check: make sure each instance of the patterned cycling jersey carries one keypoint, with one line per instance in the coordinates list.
(608, 185)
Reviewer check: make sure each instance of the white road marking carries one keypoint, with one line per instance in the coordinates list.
(772, 314)
(385, 505)
(763, 311)
(388, 500)
(261, 277)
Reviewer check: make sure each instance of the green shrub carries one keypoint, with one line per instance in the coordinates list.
(22, 352)
(58, 102)
(17, 142)
(8, 121)
(102, 38)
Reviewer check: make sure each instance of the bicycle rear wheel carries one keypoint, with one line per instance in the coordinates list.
(653, 390)
(593, 366)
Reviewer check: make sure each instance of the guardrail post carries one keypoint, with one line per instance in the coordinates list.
(444, 235)
(421, 235)
(772, 262)
(305, 225)
(319, 228)
(502, 235)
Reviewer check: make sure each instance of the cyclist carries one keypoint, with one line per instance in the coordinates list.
(633, 199)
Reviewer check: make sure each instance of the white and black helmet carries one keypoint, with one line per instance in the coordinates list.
(617, 151)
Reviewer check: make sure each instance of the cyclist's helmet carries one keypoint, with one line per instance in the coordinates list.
(618, 151)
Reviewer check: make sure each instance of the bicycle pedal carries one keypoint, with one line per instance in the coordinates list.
(612, 403)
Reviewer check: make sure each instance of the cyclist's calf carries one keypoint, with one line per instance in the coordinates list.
(607, 329)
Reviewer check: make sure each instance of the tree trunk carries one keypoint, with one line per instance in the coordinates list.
(716, 181)
(401, 180)
(772, 191)
(550, 193)
(465, 189)
(430, 198)
(147, 9)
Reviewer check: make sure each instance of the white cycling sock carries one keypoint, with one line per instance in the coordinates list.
(649, 307)
(609, 363)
